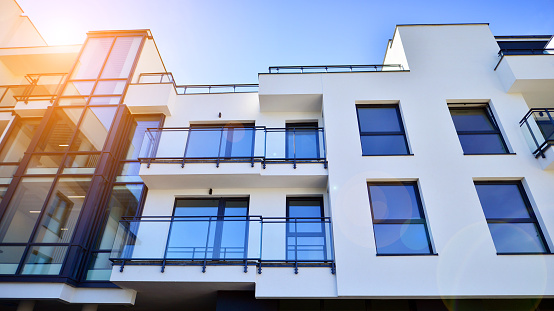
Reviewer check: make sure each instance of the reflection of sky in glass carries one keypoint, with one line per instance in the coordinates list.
(502, 201)
(401, 239)
(394, 202)
(516, 238)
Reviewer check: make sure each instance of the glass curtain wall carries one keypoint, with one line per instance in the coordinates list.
(43, 219)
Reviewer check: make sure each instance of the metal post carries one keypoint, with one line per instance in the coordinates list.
(219, 150)
(295, 245)
(207, 243)
(294, 146)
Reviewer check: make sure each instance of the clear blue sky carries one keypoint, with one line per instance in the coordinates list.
(223, 42)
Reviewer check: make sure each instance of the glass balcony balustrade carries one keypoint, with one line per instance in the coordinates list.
(224, 240)
(218, 144)
(39, 87)
(538, 128)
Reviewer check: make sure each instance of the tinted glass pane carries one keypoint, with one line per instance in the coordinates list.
(547, 128)
(378, 120)
(19, 140)
(394, 202)
(233, 230)
(384, 145)
(516, 238)
(124, 201)
(204, 142)
(9, 258)
(481, 143)
(192, 207)
(401, 239)
(105, 100)
(237, 142)
(94, 128)
(44, 164)
(109, 87)
(122, 57)
(44, 260)
(73, 101)
(81, 163)
(100, 268)
(83, 88)
(502, 201)
(305, 209)
(302, 143)
(24, 208)
(129, 172)
(7, 172)
(59, 131)
(62, 212)
(471, 120)
(92, 59)
(136, 137)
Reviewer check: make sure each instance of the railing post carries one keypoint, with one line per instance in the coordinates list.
(207, 243)
(167, 242)
(265, 147)
(295, 245)
(294, 146)
(261, 245)
(219, 150)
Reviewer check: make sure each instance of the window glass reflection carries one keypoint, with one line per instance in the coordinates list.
(46, 260)
(19, 140)
(91, 60)
(137, 133)
(302, 141)
(9, 258)
(109, 87)
(81, 163)
(57, 135)
(44, 164)
(94, 128)
(62, 212)
(121, 58)
(78, 88)
(24, 209)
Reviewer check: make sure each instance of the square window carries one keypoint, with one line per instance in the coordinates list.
(381, 130)
(512, 223)
(477, 129)
(398, 219)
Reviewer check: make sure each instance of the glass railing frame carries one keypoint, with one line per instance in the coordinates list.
(264, 159)
(327, 68)
(258, 261)
(540, 143)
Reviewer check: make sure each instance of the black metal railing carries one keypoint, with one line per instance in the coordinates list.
(167, 77)
(224, 240)
(335, 68)
(538, 128)
(218, 144)
(503, 52)
(44, 86)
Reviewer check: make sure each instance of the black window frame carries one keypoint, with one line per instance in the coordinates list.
(290, 129)
(422, 220)
(532, 216)
(297, 234)
(401, 132)
(488, 112)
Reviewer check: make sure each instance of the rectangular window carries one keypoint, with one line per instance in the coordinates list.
(512, 223)
(306, 240)
(381, 130)
(398, 220)
(477, 129)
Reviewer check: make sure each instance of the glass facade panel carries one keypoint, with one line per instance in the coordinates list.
(381, 130)
(482, 143)
(121, 58)
(44, 164)
(401, 239)
(384, 145)
(394, 202)
(100, 268)
(6, 173)
(516, 238)
(105, 100)
(378, 119)
(237, 142)
(94, 128)
(19, 140)
(9, 258)
(81, 163)
(302, 141)
(73, 101)
(512, 223)
(128, 172)
(62, 212)
(110, 87)
(398, 220)
(136, 136)
(59, 132)
(45, 260)
(78, 88)
(204, 143)
(24, 209)
(93, 57)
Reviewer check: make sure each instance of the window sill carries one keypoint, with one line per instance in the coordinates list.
(477, 154)
(397, 255)
(387, 155)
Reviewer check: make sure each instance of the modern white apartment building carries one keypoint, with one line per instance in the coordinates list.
(422, 183)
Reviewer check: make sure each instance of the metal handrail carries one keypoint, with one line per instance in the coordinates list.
(129, 235)
(217, 88)
(537, 125)
(503, 52)
(27, 95)
(330, 68)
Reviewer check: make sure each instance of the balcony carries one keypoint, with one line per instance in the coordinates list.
(526, 70)
(33, 98)
(538, 128)
(232, 156)
(224, 241)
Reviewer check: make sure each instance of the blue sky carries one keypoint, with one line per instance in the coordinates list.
(224, 42)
